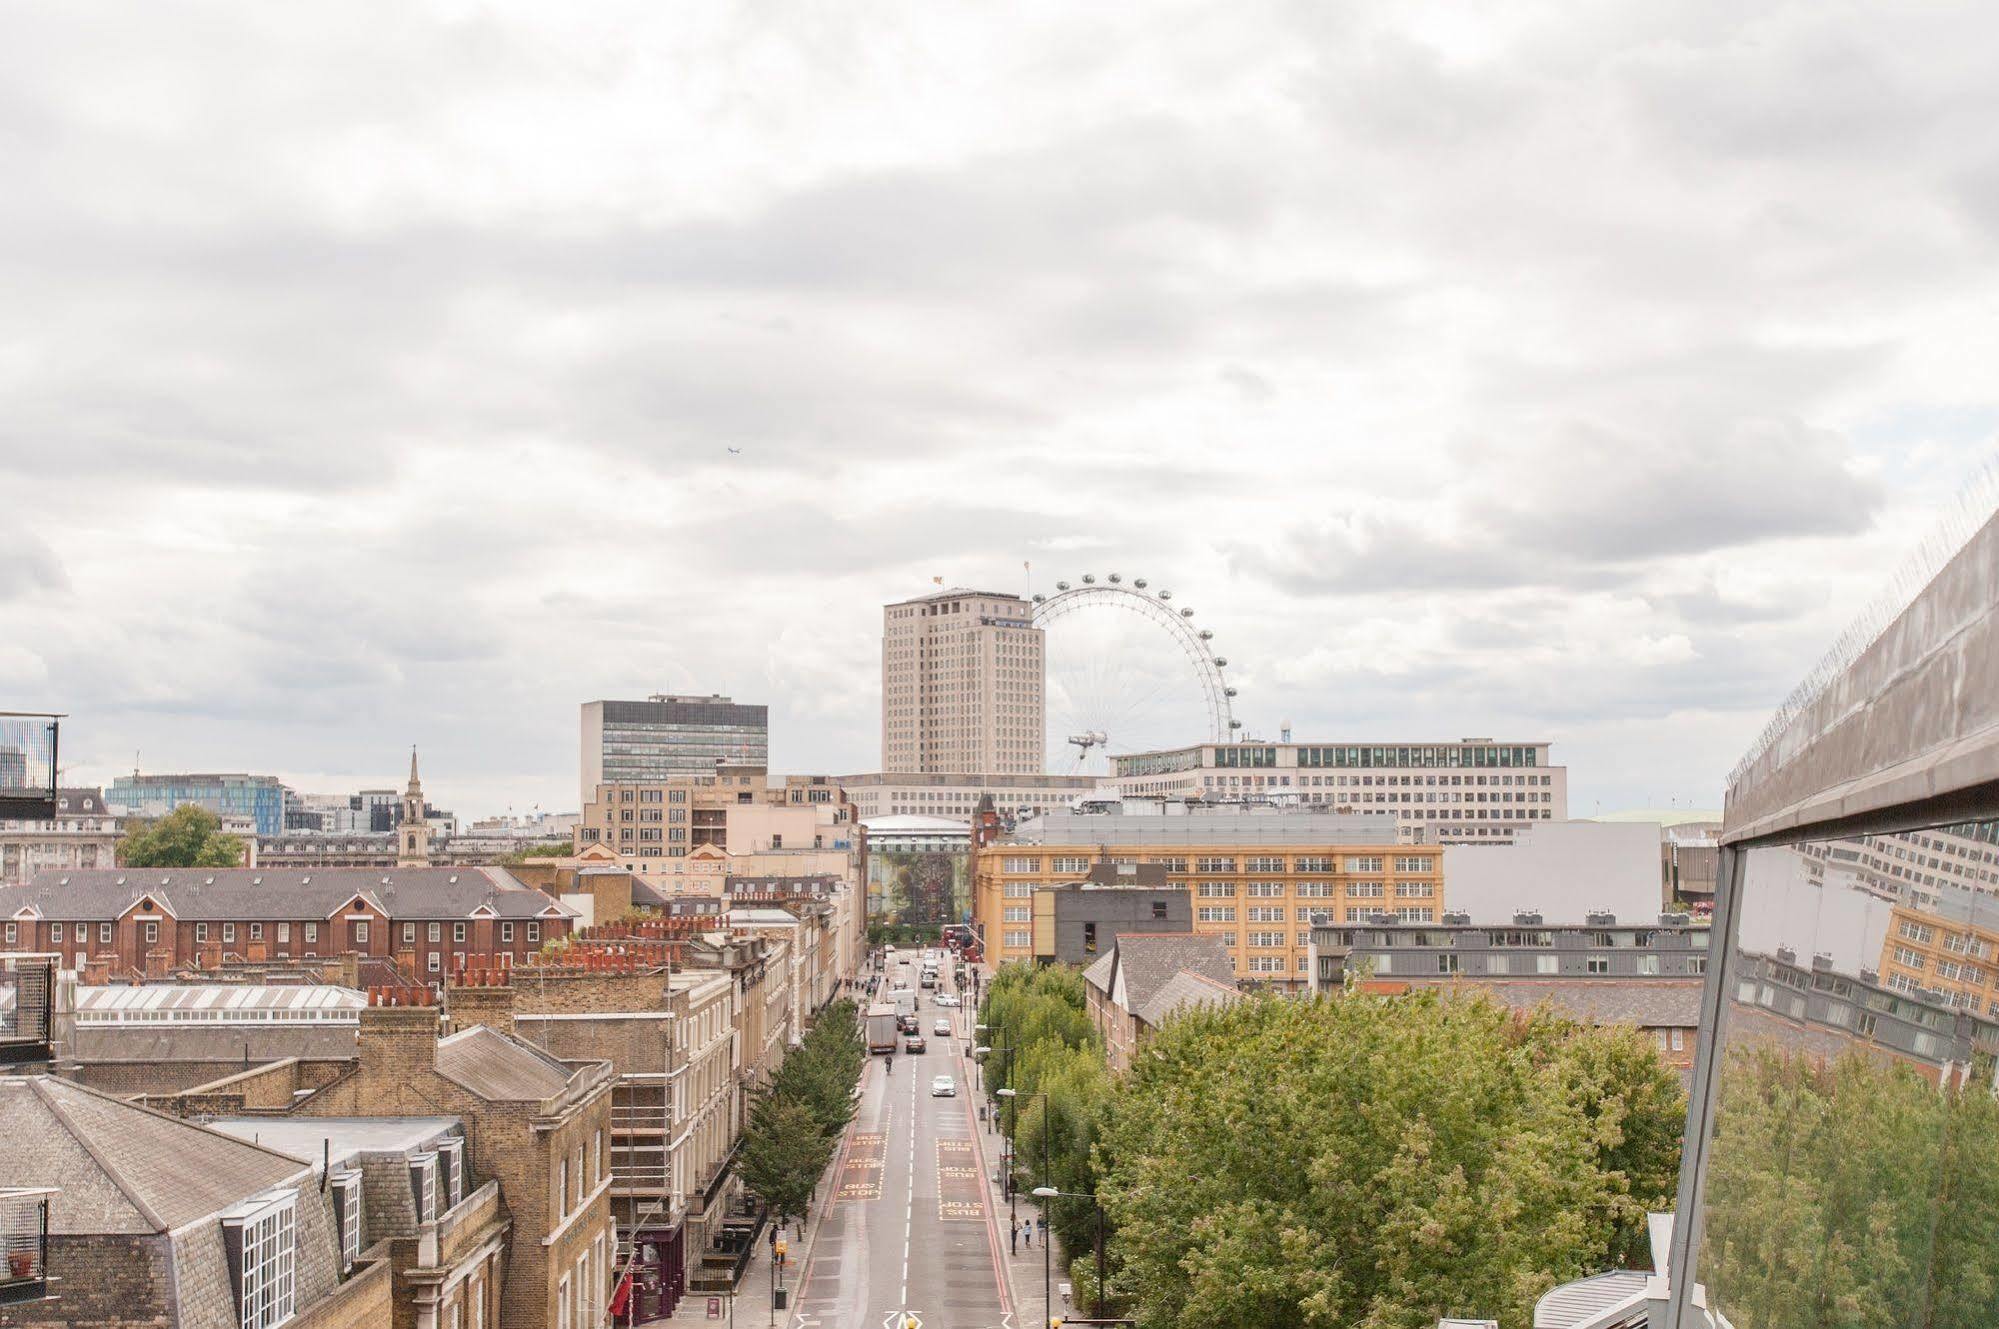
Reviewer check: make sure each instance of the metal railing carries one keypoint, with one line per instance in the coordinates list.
(24, 1243)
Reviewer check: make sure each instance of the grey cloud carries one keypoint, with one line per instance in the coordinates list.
(28, 565)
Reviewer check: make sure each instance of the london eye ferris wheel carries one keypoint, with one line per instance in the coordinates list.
(1127, 670)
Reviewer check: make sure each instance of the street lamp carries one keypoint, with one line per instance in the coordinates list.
(1047, 1256)
(1050, 1193)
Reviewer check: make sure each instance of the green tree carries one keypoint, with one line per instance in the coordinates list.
(187, 837)
(784, 1153)
(1374, 1162)
(555, 849)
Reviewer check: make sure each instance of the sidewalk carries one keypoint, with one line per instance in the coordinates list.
(753, 1290)
(1024, 1263)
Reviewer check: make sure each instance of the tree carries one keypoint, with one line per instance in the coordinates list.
(784, 1151)
(1375, 1162)
(188, 837)
(554, 849)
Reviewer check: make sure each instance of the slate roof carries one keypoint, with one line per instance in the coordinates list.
(122, 1168)
(1648, 1004)
(499, 1068)
(303, 893)
(1098, 975)
(1184, 990)
(1148, 960)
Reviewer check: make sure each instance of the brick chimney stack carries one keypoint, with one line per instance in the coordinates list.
(398, 1041)
(480, 996)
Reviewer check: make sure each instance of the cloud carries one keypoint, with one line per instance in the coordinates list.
(372, 378)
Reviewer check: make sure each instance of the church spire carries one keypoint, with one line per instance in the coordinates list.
(413, 835)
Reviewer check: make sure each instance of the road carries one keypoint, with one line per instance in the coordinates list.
(910, 1230)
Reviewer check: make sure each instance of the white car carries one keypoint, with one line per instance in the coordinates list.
(943, 1087)
(946, 999)
(941, 1028)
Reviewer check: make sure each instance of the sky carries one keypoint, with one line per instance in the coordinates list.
(410, 373)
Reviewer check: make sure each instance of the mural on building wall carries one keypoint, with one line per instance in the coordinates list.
(920, 888)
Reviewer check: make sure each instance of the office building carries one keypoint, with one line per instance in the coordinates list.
(1077, 922)
(1920, 868)
(1948, 951)
(1471, 791)
(962, 678)
(664, 736)
(81, 833)
(257, 799)
(890, 793)
(1257, 877)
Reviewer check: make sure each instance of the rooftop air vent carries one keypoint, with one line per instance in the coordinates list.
(1527, 918)
(1600, 919)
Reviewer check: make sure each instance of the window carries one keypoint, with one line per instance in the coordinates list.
(1364, 864)
(561, 1186)
(1017, 913)
(152, 932)
(1917, 932)
(1547, 964)
(1313, 890)
(284, 933)
(104, 932)
(361, 933)
(312, 932)
(1214, 865)
(436, 962)
(262, 1240)
(1414, 890)
(1908, 958)
(1266, 888)
(1266, 939)
(506, 932)
(1213, 890)
(347, 1213)
(457, 932)
(55, 934)
(423, 1185)
(1366, 890)
(13, 935)
(1265, 865)
(1266, 913)
(1069, 863)
(534, 932)
(1447, 963)
(256, 932)
(451, 1155)
(1415, 865)
(432, 932)
(1597, 964)
(1216, 914)
(1021, 865)
(1016, 941)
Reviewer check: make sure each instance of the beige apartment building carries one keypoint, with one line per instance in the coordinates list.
(962, 684)
(1254, 878)
(1472, 791)
(671, 816)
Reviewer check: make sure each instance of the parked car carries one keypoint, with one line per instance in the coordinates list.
(914, 1043)
(942, 1028)
(943, 1087)
(947, 999)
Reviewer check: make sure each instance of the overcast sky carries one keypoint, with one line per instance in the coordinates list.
(1564, 372)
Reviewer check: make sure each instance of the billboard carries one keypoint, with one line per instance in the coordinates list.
(923, 888)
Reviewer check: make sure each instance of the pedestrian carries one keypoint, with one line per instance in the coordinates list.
(1013, 1237)
(1041, 1222)
(1027, 1233)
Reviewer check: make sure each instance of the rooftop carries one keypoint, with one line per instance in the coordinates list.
(233, 894)
(499, 1068)
(123, 1168)
(217, 1001)
(337, 1139)
(1244, 827)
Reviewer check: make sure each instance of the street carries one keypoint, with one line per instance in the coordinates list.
(909, 1230)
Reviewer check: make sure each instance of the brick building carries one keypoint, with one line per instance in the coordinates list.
(1144, 978)
(156, 1222)
(537, 1126)
(150, 921)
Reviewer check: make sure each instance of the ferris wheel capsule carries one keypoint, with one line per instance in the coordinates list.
(1138, 582)
(1207, 635)
(1165, 595)
(1186, 613)
(1235, 724)
(1228, 692)
(1061, 585)
(1089, 579)
(1039, 598)
(1221, 662)
(1114, 579)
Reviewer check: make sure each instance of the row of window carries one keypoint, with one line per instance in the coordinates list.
(58, 932)
(1078, 864)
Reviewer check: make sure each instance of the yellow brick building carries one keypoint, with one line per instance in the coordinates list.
(1256, 879)
(1952, 948)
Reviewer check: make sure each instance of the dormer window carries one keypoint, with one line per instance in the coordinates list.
(451, 1180)
(423, 1185)
(347, 1212)
(262, 1240)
